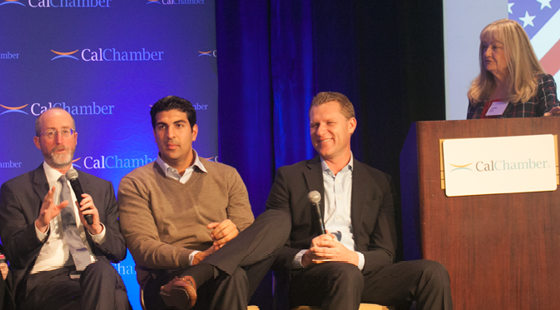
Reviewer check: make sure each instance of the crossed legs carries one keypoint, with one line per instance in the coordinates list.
(236, 271)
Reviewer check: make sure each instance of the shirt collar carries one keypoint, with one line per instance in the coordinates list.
(326, 168)
(168, 169)
(52, 174)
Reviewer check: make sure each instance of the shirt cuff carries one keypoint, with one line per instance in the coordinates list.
(361, 261)
(40, 235)
(191, 257)
(100, 237)
(296, 263)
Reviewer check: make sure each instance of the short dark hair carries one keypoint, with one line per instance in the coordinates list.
(346, 107)
(174, 103)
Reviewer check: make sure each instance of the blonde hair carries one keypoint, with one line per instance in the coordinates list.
(346, 107)
(522, 64)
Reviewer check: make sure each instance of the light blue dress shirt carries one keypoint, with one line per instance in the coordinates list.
(338, 209)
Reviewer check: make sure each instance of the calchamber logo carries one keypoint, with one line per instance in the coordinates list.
(461, 167)
(65, 55)
(502, 165)
(10, 164)
(60, 3)
(37, 108)
(9, 56)
(109, 54)
(197, 106)
(12, 2)
(213, 54)
(97, 162)
(14, 109)
(115, 162)
(175, 2)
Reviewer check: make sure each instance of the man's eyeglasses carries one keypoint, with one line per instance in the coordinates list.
(65, 133)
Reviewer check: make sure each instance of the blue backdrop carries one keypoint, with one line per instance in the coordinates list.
(106, 62)
(386, 56)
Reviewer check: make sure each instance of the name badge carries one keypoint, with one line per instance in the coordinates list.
(497, 108)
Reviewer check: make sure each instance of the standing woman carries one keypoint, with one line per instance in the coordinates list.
(511, 82)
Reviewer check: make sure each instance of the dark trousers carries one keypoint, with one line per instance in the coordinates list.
(343, 286)
(239, 266)
(99, 288)
(6, 300)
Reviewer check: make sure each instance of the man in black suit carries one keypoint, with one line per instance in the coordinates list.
(354, 261)
(59, 261)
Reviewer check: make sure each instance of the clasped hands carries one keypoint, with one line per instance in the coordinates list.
(326, 248)
(50, 210)
(4, 270)
(222, 233)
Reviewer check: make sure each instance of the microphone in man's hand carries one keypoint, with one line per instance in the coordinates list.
(314, 198)
(72, 176)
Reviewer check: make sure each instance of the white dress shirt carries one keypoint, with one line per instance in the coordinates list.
(55, 253)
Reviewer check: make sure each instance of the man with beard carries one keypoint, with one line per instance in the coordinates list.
(58, 259)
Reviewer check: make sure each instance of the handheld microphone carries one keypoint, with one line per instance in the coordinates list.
(314, 198)
(72, 176)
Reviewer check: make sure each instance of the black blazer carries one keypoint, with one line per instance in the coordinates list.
(373, 205)
(20, 202)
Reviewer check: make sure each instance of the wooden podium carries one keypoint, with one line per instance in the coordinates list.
(502, 251)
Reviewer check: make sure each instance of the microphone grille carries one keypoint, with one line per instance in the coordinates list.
(72, 174)
(314, 197)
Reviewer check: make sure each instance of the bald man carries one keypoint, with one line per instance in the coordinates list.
(58, 259)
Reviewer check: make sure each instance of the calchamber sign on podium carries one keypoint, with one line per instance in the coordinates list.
(499, 165)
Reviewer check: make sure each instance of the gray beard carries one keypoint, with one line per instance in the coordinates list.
(60, 161)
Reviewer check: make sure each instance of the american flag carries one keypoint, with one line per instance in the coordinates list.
(541, 21)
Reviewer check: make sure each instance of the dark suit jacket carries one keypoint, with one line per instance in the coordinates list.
(6, 300)
(373, 204)
(20, 201)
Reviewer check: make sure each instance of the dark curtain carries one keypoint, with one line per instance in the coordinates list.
(275, 55)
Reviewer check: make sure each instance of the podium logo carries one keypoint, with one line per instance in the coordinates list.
(6, 2)
(175, 2)
(461, 167)
(64, 55)
(14, 109)
(503, 165)
(213, 53)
